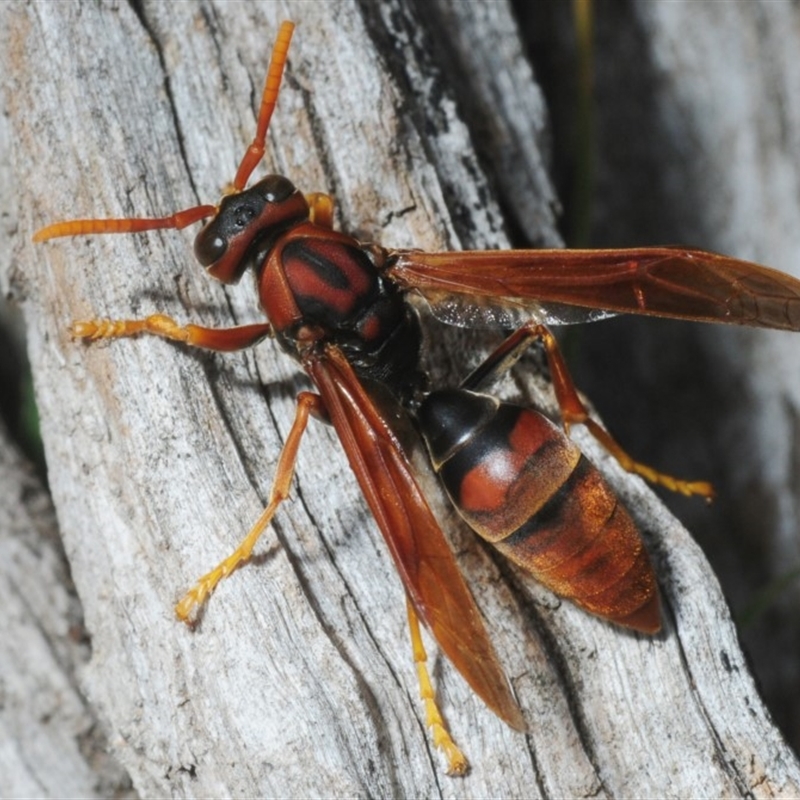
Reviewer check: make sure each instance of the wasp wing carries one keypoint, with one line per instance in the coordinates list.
(421, 553)
(659, 281)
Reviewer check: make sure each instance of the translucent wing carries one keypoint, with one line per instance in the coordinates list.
(421, 553)
(660, 281)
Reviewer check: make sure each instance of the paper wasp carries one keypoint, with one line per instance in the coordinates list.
(338, 306)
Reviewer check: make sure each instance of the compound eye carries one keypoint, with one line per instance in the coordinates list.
(209, 246)
(275, 188)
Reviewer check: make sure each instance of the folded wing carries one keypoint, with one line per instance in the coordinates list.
(421, 553)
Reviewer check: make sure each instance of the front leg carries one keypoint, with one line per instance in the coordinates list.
(320, 209)
(220, 339)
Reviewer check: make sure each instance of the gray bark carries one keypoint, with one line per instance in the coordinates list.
(52, 743)
(701, 147)
(299, 680)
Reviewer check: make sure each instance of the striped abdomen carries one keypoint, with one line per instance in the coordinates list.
(525, 487)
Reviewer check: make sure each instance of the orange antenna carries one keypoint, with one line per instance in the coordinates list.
(272, 86)
(181, 219)
(80, 227)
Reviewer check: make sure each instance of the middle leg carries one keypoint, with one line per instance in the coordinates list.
(307, 404)
(573, 411)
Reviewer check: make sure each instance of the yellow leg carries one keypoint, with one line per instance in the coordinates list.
(221, 339)
(456, 761)
(197, 595)
(320, 209)
(573, 411)
(678, 485)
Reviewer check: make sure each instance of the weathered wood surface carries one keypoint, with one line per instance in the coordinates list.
(52, 745)
(299, 680)
(51, 741)
(702, 146)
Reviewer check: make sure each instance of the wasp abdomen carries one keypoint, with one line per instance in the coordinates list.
(525, 487)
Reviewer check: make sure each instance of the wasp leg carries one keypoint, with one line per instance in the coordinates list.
(320, 209)
(456, 761)
(222, 339)
(573, 411)
(307, 403)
